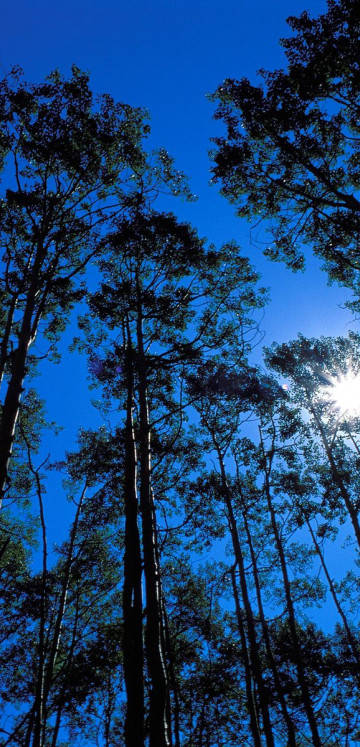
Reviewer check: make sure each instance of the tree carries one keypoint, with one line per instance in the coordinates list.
(177, 610)
(62, 653)
(291, 152)
(68, 161)
(165, 302)
(83, 190)
(221, 413)
(314, 366)
(255, 510)
(205, 649)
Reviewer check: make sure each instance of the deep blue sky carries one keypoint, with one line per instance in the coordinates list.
(166, 55)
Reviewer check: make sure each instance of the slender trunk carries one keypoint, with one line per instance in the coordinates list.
(167, 651)
(251, 702)
(265, 629)
(61, 695)
(159, 725)
(132, 592)
(173, 681)
(57, 724)
(352, 642)
(109, 709)
(155, 649)
(14, 737)
(54, 649)
(29, 730)
(250, 622)
(201, 723)
(40, 716)
(336, 475)
(290, 610)
(36, 726)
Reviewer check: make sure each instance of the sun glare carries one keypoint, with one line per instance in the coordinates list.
(345, 393)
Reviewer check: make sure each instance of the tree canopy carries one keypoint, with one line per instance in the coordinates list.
(205, 591)
(290, 155)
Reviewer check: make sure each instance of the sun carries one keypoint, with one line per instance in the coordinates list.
(344, 392)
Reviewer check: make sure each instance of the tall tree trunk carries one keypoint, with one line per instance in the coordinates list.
(290, 606)
(159, 724)
(265, 630)
(55, 642)
(250, 695)
(250, 621)
(62, 694)
(173, 681)
(352, 642)
(40, 718)
(132, 592)
(337, 477)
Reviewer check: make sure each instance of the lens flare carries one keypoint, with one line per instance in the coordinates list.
(344, 392)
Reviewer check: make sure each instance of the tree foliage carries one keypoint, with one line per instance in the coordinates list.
(290, 155)
(193, 600)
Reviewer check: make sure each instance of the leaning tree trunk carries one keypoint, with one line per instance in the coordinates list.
(265, 630)
(337, 476)
(50, 664)
(250, 621)
(302, 679)
(351, 640)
